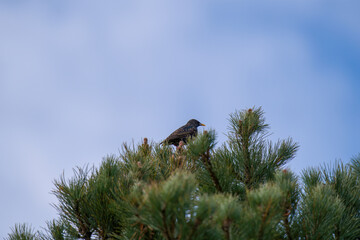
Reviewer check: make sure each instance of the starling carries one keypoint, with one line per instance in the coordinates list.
(181, 134)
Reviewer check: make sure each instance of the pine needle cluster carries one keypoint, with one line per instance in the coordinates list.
(239, 190)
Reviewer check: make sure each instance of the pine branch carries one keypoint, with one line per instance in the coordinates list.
(244, 143)
(199, 192)
(166, 229)
(264, 220)
(206, 160)
(194, 228)
(247, 163)
(287, 225)
(22, 231)
(226, 228)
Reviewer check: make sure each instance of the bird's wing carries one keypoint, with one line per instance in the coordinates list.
(182, 132)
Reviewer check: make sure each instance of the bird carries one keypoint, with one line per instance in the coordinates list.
(182, 133)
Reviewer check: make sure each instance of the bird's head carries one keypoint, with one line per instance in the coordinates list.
(194, 122)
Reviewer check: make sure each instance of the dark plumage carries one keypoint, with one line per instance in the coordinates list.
(181, 134)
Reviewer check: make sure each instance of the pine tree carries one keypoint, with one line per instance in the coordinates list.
(239, 190)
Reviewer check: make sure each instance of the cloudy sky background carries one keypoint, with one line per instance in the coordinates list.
(79, 78)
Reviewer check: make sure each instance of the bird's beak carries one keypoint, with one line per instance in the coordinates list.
(202, 124)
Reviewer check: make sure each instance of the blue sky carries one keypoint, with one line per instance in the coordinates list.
(79, 78)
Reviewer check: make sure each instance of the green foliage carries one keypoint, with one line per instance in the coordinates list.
(57, 230)
(239, 190)
(263, 212)
(107, 208)
(253, 159)
(174, 209)
(288, 184)
(341, 182)
(355, 166)
(74, 202)
(320, 211)
(22, 232)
